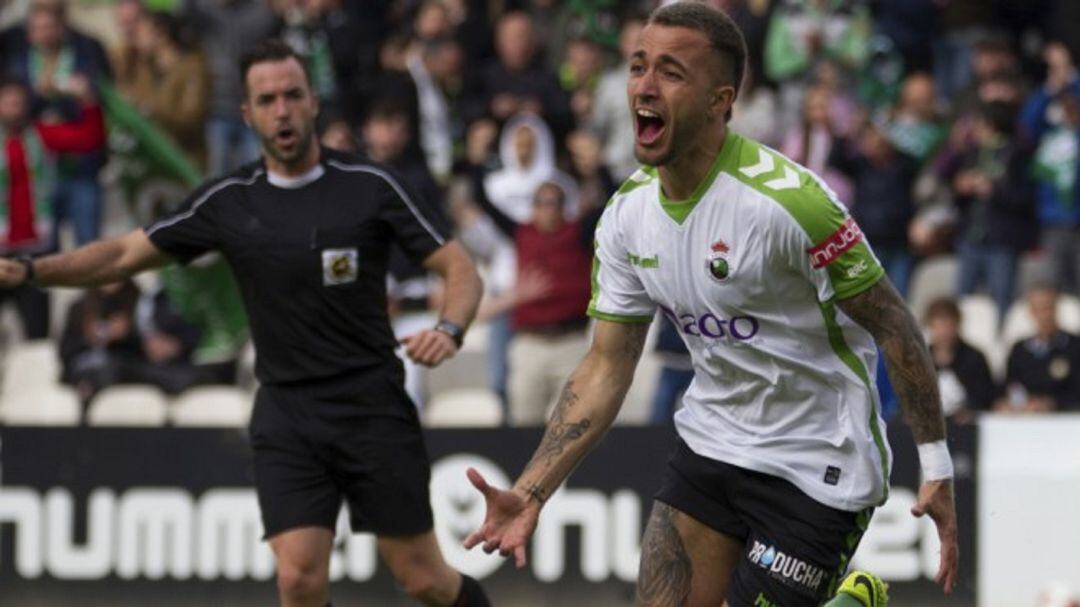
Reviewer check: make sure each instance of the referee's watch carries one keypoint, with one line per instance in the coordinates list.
(28, 267)
(454, 330)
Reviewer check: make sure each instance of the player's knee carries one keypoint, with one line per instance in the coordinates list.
(420, 584)
(300, 582)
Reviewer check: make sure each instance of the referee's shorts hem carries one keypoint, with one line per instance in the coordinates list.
(277, 530)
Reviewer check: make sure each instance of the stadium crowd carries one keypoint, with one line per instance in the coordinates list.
(951, 129)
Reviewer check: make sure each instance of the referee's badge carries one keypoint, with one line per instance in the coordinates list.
(338, 266)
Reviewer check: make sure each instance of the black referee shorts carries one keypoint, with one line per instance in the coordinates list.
(312, 453)
(796, 549)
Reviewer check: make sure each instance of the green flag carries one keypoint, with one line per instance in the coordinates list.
(155, 175)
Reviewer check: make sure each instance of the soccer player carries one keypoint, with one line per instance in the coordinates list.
(782, 454)
(307, 232)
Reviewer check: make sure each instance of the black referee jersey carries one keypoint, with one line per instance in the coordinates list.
(310, 255)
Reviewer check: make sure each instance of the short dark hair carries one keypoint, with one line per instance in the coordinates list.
(723, 34)
(942, 306)
(271, 49)
(388, 108)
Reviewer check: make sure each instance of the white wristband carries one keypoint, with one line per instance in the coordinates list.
(936, 461)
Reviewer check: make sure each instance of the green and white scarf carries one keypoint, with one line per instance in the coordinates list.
(1056, 162)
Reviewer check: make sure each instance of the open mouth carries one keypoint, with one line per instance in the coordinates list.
(650, 126)
(285, 136)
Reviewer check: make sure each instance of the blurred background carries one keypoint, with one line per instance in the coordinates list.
(950, 128)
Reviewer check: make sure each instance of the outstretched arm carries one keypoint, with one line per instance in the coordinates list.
(98, 263)
(588, 405)
(882, 311)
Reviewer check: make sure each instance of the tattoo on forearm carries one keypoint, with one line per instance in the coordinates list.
(537, 493)
(666, 570)
(883, 312)
(560, 433)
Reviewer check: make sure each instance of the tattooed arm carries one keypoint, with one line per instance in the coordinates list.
(882, 311)
(587, 407)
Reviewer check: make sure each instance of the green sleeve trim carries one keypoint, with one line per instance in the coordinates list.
(850, 289)
(851, 360)
(621, 318)
(813, 207)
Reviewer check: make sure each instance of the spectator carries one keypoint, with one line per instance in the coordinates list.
(812, 144)
(516, 80)
(127, 15)
(387, 137)
(803, 34)
(882, 203)
(29, 178)
(963, 374)
(167, 82)
(610, 116)
(754, 113)
(579, 74)
(527, 154)
(595, 185)
(916, 125)
(433, 22)
(47, 55)
(338, 135)
(436, 70)
(1050, 122)
(549, 330)
(964, 23)
(326, 34)
(105, 343)
(993, 63)
(994, 197)
(1043, 372)
(227, 29)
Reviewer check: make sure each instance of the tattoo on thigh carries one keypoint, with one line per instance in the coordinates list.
(666, 570)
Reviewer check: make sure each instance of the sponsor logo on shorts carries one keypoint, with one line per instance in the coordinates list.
(787, 569)
(839, 242)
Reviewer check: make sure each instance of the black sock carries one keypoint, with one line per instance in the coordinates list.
(471, 595)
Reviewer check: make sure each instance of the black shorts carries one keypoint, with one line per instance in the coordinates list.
(311, 454)
(796, 549)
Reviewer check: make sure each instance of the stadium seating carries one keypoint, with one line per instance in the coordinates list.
(212, 406)
(1018, 322)
(31, 395)
(463, 407)
(932, 278)
(128, 405)
(979, 324)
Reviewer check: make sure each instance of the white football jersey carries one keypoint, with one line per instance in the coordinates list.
(749, 269)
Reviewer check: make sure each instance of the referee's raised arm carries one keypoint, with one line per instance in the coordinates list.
(97, 263)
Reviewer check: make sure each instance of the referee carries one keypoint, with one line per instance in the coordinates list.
(307, 232)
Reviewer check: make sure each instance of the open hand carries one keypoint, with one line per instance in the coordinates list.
(936, 499)
(509, 521)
